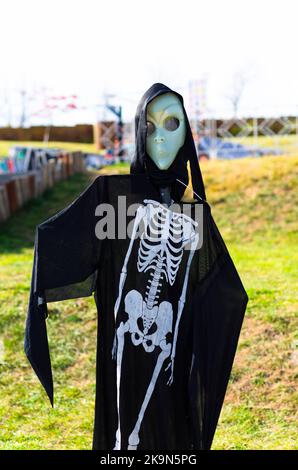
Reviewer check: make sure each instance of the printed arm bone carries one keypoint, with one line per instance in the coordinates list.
(180, 307)
(141, 214)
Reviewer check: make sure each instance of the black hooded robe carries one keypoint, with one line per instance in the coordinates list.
(70, 261)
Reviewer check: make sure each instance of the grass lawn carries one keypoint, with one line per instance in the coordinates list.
(6, 144)
(254, 202)
(287, 143)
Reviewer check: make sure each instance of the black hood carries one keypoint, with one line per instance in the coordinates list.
(142, 163)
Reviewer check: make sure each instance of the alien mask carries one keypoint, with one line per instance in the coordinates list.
(165, 129)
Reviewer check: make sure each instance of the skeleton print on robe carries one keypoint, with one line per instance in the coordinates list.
(170, 302)
(150, 319)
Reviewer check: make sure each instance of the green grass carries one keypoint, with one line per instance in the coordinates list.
(287, 143)
(254, 202)
(6, 144)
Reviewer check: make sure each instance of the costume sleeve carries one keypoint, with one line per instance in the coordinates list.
(218, 307)
(66, 259)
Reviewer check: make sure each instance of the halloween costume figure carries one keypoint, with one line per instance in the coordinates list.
(169, 299)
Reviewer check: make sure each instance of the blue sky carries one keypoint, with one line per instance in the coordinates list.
(92, 47)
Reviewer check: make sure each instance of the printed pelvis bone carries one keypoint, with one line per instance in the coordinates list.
(160, 253)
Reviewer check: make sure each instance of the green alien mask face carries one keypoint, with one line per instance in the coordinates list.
(165, 129)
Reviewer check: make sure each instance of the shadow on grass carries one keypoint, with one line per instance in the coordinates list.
(18, 231)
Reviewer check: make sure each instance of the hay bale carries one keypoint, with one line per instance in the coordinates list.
(50, 174)
(14, 193)
(19, 192)
(38, 183)
(4, 204)
(52, 171)
(44, 178)
(32, 185)
(69, 164)
(78, 162)
(71, 167)
(25, 189)
(58, 170)
(64, 174)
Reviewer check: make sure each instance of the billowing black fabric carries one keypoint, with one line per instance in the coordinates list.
(66, 257)
(71, 261)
